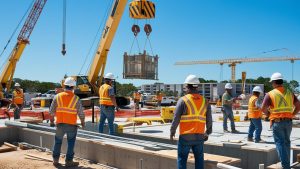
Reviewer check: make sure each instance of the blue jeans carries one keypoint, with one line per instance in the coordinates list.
(107, 112)
(61, 130)
(281, 133)
(183, 151)
(255, 125)
(228, 114)
(17, 111)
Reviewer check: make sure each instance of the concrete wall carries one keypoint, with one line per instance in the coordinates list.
(8, 134)
(108, 154)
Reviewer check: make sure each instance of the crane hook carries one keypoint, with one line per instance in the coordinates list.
(135, 29)
(148, 29)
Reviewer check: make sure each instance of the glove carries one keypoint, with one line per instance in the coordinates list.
(171, 136)
(205, 138)
(52, 124)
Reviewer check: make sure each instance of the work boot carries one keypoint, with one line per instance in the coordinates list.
(260, 141)
(226, 131)
(250, 139)
(71, 164)
(234, 131)
(56, 162)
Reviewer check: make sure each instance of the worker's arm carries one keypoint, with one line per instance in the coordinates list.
(209, 121)
(266, 104)
(227, 99)
(180, 108)
(52, 110)
(297, 105)
(111, 94)
(80, 113)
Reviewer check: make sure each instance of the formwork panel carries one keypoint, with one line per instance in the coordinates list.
(141, 66)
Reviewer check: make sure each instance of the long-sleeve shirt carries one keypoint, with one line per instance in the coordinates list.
(78, 106)
(181, 109)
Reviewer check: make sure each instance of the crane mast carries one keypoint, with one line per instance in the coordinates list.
(23, 39)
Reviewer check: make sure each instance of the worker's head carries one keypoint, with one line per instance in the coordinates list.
(192, 82)
(69, 83)
(228, 87)
(17, 85)
(257, 91)
(276, 79)
(108, 78)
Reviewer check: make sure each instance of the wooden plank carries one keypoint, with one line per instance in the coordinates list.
(38, 157)
(5, 148)
(11, 145)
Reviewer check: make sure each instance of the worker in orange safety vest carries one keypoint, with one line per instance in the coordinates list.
(281, 105)
(17, 100)
(108, 104)
(66, 106)
(254, 114)
(137, 98)
(192, 114)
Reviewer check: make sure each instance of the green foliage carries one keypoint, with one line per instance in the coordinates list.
(207, 81)
(125, 89)
(35, 86)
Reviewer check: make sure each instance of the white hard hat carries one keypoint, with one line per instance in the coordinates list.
(242, 96)
(257, 89)
(276, 76)
(69, 81)
(17, 85)
(228, 86)
(109, 76)
(192, 79)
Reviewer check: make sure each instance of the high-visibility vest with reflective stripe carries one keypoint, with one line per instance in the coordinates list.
(282, 104)
(195, 119)
(104, 95)
(18, 96)
(253, 111)
(66, 111)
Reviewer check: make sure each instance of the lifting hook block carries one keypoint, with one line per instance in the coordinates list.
(135, 29)
(148, 29)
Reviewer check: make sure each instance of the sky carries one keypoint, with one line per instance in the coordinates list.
(182, 31)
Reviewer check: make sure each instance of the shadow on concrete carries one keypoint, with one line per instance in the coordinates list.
(151, 131)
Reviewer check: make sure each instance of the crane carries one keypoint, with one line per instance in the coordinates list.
(139, 9)
(233, 62)
(23, 39)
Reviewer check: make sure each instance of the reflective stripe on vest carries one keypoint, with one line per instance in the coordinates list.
(253, 111)
(282, 104)
(104, 95)
(66, 111)
(195, 120)
(18, 96)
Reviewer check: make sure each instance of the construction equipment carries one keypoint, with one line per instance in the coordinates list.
(233, 62)
(89, 85)
(23, 39)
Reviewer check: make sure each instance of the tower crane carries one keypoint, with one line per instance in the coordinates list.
(8, 71)
(233, 62)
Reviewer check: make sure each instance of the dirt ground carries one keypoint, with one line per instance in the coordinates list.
(20, 160)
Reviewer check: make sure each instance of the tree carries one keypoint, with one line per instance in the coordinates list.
(125, 89)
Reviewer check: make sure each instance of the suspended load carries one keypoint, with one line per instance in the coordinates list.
(141, 66)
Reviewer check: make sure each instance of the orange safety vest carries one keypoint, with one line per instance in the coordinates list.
(282, 104)
(159, 97)
(66, 111)
(136, 96)
(104, 95)
(195, 120)
(18, 96)
(253, 111)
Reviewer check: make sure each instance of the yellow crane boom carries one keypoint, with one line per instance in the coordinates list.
(233, 62)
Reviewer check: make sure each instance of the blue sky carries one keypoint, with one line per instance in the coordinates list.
(182, 31)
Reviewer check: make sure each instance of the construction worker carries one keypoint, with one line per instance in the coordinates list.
(192, 113)
(66, 106)
(254, 114)
(137, 98)
(159, 97)
(108, 103)
(227, 101)
(17, 100)
(283, 106)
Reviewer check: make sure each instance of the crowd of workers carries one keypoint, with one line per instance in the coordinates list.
(192, 115)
